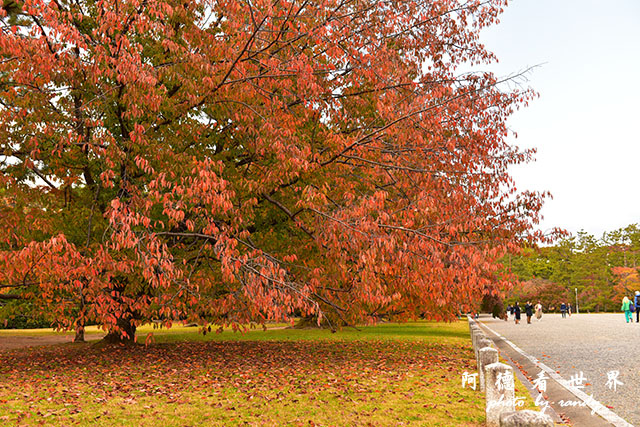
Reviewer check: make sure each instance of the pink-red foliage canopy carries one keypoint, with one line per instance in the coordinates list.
(233, 161)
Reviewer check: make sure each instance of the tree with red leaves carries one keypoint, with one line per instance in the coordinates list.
(241, 161)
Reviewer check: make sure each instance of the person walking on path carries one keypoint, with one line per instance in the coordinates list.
(528, 309)
(538, 311)
(563, 309)
(636, 302)
(516, 311)
(626, 307)
(569, 309)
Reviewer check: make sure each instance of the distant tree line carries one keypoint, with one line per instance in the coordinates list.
(602, 271)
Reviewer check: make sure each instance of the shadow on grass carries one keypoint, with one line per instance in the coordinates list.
(412, 330)
(418, 331)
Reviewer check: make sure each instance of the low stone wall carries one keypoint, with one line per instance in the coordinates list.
(497, 381)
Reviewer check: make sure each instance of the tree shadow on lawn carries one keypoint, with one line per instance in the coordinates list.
(452, 333)
(414, 330)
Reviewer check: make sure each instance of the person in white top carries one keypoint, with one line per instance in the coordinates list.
(538, 311)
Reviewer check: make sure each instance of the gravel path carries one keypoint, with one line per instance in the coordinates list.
(11, 342)
(594, 344)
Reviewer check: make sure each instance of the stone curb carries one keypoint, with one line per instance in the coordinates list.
(497, 381)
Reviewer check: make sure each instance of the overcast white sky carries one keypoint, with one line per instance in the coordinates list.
(586, 123)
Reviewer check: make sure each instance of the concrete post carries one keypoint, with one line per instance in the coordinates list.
(500, 392)
(476, 336)
(473, 325)
(486, 356)
(482, 343)
(525, 418)
(474, 333)
(472, 328)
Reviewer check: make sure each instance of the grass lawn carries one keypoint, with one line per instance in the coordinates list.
(389, 374)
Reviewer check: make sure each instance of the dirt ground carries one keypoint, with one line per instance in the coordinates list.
(13, 342)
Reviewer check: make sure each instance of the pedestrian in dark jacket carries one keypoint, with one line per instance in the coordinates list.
(516, 310)
(636, 301)
(563, 309)
(528, 309)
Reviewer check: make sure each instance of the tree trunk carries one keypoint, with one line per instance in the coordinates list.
(79, 334)
(125, 326)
